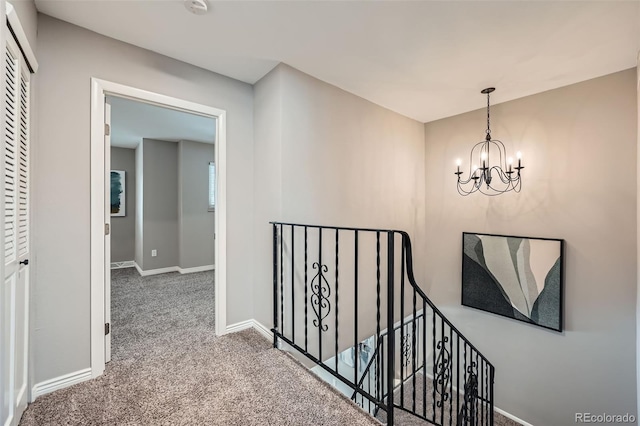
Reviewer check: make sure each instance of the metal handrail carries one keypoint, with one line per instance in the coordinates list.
(469, 363)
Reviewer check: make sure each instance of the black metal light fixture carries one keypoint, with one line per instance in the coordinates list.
(496, 174)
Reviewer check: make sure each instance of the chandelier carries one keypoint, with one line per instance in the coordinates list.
(496, 174)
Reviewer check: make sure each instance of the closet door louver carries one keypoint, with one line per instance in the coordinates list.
(23, 167)
(12, 125)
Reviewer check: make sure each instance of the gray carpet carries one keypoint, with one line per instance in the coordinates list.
(168, 368)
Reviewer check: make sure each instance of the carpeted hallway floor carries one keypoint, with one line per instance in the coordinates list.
(168, 368)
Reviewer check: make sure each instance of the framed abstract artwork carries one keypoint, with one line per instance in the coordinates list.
(118, 193)
(516, 277)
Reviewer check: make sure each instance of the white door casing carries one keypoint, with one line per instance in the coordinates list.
(100, 216)
(107, 238)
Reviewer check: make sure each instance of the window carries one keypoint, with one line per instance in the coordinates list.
(212, 186)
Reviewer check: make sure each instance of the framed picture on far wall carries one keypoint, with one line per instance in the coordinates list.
(516, 277)
(118, 193)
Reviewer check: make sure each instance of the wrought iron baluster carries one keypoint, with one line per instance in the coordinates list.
(275, 285)
(293, 280)
(433, 348)
(306, 291)
(319, 314)
(486, 393)
(450, 377)
(378, 310)
(475, 400)
(458, 378)
(442, 367)
(402, 325)
(391, 339)
(424, 358)
(491, 379)
(336, 298)
(465, 408)
(413, 354)
(356, 342)
(282, 329)
(481, 386)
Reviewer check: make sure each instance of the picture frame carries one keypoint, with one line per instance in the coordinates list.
(521, 278)
(118, 193)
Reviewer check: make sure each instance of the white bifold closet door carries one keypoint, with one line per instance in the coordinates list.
(14, 297)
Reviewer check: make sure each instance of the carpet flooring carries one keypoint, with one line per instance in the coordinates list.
(168, 368)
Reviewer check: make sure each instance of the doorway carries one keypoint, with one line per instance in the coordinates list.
(161, 171)
(101, 209)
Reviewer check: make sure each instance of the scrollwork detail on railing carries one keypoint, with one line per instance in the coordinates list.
(442, 371)
(320, 297)
(406, 349)
(470, 408)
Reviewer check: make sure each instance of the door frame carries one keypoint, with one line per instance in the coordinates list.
(99, 90)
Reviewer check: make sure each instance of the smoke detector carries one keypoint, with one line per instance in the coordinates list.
(197, 7)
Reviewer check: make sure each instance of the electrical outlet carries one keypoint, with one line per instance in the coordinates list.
(154, 253)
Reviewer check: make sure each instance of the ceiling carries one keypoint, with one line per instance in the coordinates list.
(424, 59)
(133, 120)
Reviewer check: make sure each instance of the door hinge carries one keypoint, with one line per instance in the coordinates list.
(107, 328)
(106, 229)
(107, 129)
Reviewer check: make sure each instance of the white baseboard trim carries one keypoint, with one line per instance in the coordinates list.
(196, 269)
(173, 269)
(263, 329)
(251, 323)
(123, 264)
(511, 416)
(60, 382)
(156, 271)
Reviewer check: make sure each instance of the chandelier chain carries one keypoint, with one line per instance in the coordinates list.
(488, 118)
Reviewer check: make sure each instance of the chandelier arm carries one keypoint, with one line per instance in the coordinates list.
(502, 175)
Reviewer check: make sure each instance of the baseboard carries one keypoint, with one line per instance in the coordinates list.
(511, 416)
(157, 271)
(263, 329)
(137, 267)
(60, 382)
(172, 269)
(251, 323)
(123, 264)
(196, 269)
(239, 326)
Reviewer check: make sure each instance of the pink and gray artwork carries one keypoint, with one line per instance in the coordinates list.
(516, 277)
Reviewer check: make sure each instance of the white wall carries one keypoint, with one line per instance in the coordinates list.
(139, 223)
(325, 156)
(195, 221)
(160, 204)
(69, 56)
(579, 184)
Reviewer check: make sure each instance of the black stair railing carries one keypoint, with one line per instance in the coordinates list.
(336, 287)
